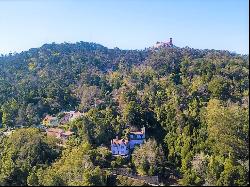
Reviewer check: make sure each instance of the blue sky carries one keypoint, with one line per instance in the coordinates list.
(127, 24)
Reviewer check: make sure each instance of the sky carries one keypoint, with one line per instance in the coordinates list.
(126, 24)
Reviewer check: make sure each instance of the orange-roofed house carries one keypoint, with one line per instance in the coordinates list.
(59, 133)
(119, 147)
(56, 132)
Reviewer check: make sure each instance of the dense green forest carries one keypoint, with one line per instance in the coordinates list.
(193, 103)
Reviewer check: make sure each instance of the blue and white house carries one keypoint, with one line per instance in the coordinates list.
(119, 147)
(123, 147)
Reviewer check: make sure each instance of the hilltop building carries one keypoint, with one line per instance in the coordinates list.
(164, 44)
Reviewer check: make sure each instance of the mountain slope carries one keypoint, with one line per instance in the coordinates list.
(193, 103)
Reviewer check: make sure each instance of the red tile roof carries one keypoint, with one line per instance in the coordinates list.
(122, 141)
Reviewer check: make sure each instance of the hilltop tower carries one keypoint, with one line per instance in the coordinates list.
(170, 42)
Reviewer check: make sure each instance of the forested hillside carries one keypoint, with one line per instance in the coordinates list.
(193, 103)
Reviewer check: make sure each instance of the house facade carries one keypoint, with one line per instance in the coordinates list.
(119, 147)
(136, 138)
(123, 147)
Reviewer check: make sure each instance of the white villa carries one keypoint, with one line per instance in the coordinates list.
(122, 147)
(119, 147)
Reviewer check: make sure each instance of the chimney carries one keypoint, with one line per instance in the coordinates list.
(170, 41)
(143, 129)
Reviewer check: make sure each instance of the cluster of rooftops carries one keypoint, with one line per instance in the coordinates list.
(122, 147)
(67, 117)
(52, 124)
(53, 127)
